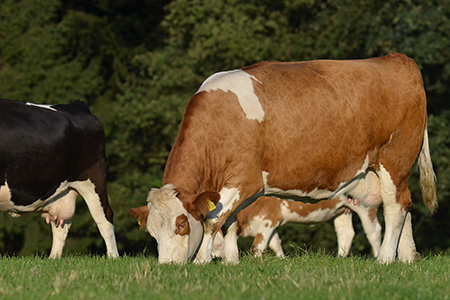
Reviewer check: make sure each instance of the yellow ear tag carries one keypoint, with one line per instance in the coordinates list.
(139, 222)
(211, 205)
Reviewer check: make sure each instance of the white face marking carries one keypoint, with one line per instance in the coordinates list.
(49, 107)
(164, 208)
(240, 83)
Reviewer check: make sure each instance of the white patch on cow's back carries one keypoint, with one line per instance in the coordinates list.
(241, 84)
(41, 106)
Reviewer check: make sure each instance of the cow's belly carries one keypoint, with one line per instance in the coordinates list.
(7, 204)
(364, 186)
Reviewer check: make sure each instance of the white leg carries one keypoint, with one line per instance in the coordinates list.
(393, 217)
(275, 245)
(230, 249)
(59, 237)
(371, 226)
(61, 209)
(260, 243)
(106, 228)
(204, 253)
(218, 245)
(407, 248)
(344, 230)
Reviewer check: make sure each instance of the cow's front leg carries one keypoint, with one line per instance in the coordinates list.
(204, 253)
(230, 249)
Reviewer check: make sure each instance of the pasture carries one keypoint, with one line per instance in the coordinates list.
(301, 276)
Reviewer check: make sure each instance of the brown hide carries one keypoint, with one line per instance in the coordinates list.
(322, 119)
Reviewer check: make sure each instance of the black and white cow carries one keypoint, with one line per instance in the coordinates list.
(49, 155)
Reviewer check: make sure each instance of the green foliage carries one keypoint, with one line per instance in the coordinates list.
(136, 63)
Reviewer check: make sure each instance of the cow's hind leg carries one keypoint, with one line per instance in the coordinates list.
(407, 248)
(265, 234)
(60, 231)
(371, 226)
(394, 214)
(101, 212)
(275, 245)
(345, 233)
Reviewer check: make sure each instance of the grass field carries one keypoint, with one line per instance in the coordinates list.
(309, 276)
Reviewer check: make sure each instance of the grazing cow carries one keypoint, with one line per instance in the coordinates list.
(314, 129)
(261, 219)
(49, 155)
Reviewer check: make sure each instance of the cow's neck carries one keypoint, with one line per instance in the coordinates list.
(186, 170)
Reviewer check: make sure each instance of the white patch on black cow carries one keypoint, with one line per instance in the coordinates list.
(241, 84)
(5, 197)
(41, 106)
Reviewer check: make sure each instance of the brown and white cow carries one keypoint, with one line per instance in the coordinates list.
(313, 128)
(48, 155)
(261, 219)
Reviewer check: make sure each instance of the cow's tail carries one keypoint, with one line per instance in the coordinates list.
(427, 176)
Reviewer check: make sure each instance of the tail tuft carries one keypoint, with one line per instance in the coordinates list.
(427, 176)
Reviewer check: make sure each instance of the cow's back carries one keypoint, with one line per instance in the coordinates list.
(42, 147)
(326, 118)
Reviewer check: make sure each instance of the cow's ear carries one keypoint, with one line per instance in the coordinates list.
(141, 215)
(205, 202)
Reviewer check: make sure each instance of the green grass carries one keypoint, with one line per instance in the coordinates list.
(310, 276)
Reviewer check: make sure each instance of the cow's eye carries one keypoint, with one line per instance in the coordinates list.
(182, 225)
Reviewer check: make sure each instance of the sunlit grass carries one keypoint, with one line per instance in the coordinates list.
(308, 276)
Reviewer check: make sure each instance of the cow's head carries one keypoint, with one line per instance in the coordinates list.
(175, 220)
